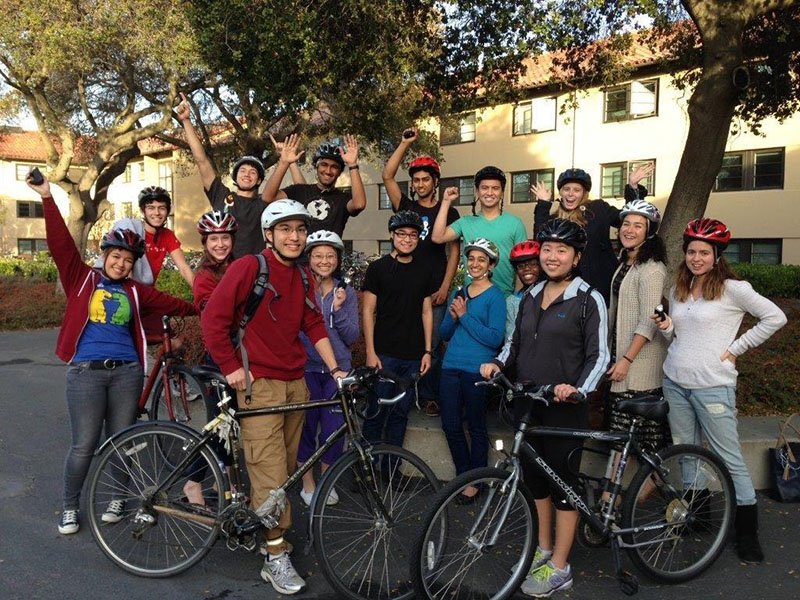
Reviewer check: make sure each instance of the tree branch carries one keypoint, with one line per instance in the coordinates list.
(84, 105)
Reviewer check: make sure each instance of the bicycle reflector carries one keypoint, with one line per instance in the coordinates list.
(498, 445)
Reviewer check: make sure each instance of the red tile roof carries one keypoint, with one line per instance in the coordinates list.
(16, 144)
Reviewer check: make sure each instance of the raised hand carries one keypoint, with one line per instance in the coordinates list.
(411, 138)
(450, 195)
(541, 192)
(639, 173)
(288, 148)
(183, 109)
(43, 189)
(350, 157)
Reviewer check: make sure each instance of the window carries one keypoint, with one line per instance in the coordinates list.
(31, 246)
(535, 116)
(165, 179)
(751, 170)
(383, 198)
(634, 100)
(466, 189)
(124, 210)
(141, 171)
(384, 247)
(348, 246)
(615, 176)
(126, 177)
(462, 131)
(30, 210)
(762, 252)
(23, 169)
(521, 183)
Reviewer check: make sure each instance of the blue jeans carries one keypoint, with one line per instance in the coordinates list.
(712, 412)
(95, 397)
(458, 395)
(429, 384)
(392, 419)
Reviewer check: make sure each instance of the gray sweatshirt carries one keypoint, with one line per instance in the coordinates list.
(702, 330)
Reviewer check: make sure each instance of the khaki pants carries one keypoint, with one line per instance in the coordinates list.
(270, 441)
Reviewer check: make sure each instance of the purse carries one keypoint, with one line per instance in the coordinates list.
(784, 463)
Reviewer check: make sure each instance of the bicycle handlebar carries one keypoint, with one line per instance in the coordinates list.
(544, 393)
(362, 375)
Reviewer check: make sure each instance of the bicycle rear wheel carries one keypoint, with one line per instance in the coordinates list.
(363, 555)
(156, 533)
(696, 492)
(453, 557)
(182, 383)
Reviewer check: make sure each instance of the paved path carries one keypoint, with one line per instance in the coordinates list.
(37, 562)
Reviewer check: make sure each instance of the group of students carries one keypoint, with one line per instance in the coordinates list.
(556, 329)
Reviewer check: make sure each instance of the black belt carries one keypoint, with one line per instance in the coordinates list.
(107, 364)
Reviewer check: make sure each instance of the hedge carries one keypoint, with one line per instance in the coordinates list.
(772, 281)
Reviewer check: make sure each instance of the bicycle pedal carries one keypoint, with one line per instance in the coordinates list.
(628, 583)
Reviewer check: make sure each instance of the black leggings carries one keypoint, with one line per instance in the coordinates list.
(555, 451)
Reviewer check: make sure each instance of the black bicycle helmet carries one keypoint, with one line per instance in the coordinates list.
(248, 160)
(330, 151)
(125, 239)
(575, 176)
(405, 218)
(153, 193)
(564, 231)
(490, 172)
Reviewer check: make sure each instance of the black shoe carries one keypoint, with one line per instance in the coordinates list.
(748, 548)
(463, 500)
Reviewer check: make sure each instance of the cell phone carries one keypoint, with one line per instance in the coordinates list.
(659, 310)
(408, 133)
(36, 176)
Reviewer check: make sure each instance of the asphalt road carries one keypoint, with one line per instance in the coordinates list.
(37, 562)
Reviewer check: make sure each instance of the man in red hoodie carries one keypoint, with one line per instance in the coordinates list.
(275, 358)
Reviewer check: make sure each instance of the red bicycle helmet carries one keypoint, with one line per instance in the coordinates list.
(216, 222)
(425, 163)
(125, 239)
(525, 251)
(712, 231)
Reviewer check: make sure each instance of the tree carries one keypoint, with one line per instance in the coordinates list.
(97, 80)
(740, 58)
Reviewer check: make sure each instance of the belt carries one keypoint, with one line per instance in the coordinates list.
(107, 364)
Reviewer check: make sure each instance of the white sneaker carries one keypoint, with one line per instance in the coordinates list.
(333, 497)
(113, 513)
(69, 522)
(279, 571)
(307, 497)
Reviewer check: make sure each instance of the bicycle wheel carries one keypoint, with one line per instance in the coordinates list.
(158, 533)
(454, 556)
(363, 554)
(182, 382)
(697, 492)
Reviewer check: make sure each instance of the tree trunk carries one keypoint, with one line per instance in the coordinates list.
(82, 216)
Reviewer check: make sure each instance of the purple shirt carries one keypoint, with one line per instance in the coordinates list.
(342, 329)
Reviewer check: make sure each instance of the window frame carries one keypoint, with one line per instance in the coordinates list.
(534, 172)
(404, 187)
(35, 210)
(443, 141)
(446, 182)
(380, 242)
(25, 167)
(533, 129)
(748, 166)
(628, 166)
(746, 248)
(628, 87)
(35, 242)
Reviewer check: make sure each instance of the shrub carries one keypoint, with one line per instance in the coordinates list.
(773, 281)
(173, 284)
(40, 266)
(29, 303)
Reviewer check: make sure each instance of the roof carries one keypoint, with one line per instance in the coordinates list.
(18, 144)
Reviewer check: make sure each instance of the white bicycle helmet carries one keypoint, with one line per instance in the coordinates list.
(646, 210)
(283, 210)
(486, 246)
(324, 238)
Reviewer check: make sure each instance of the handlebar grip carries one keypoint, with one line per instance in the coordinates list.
(401, 382)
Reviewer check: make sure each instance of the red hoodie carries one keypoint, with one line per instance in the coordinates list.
(80, 280)
(274, 349)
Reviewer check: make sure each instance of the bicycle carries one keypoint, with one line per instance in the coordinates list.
(363, 542)
(676, 512)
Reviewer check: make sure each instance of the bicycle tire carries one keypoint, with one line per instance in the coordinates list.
(129, 468)
(181, 375)
(361, 557)
(492, 572)
(706, 504)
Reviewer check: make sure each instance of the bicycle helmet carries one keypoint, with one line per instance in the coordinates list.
(564, 231)
(575, 176)
(646, 210)
(425, 163)
(153, 193)
(712, 231)
(330, 151)
(486, 246)
(490, 172)
(324, 238)
(405, 218)
(524, 251)
(216, 222)
(248, 160)
(125, 239)
(283, 210)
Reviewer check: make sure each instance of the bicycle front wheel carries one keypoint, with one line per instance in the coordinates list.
(364, 541)
(686, 514)
(144, 528)
(479, 549)
(182, 385)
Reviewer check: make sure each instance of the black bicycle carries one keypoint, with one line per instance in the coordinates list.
(676, 512)
(363, 541)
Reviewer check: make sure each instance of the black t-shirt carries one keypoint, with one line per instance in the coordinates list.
(328, 207)
(429, 252)
(401, 289)
(246, 211)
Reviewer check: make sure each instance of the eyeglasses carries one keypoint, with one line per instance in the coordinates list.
(404, 235)
(286, 230)
(329, 257)
(528, 265)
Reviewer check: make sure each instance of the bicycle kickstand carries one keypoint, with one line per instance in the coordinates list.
(628, 582)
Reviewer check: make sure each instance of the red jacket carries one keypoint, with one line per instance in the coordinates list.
(204, 284)
(272, 340)
(80, 280)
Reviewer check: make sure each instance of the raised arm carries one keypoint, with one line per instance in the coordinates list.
(359, 200)
(391, 167)
(294, 169)
(204, 166)
(183, 267)
(442, 233)
(289, 154)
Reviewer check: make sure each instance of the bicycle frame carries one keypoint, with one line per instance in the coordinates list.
(163, 359)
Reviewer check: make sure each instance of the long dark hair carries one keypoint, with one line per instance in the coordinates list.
(652, 249)
(210, 264)
(713, 284)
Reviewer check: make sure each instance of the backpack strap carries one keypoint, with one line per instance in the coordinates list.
(304, 277)
(585, 308)
(260, 287)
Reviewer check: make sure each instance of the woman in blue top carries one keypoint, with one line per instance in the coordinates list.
(474, 326)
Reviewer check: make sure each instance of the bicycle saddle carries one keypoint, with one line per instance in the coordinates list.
(206, 372)
(649, 407)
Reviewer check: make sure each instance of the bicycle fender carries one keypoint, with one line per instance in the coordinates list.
(140, 424)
